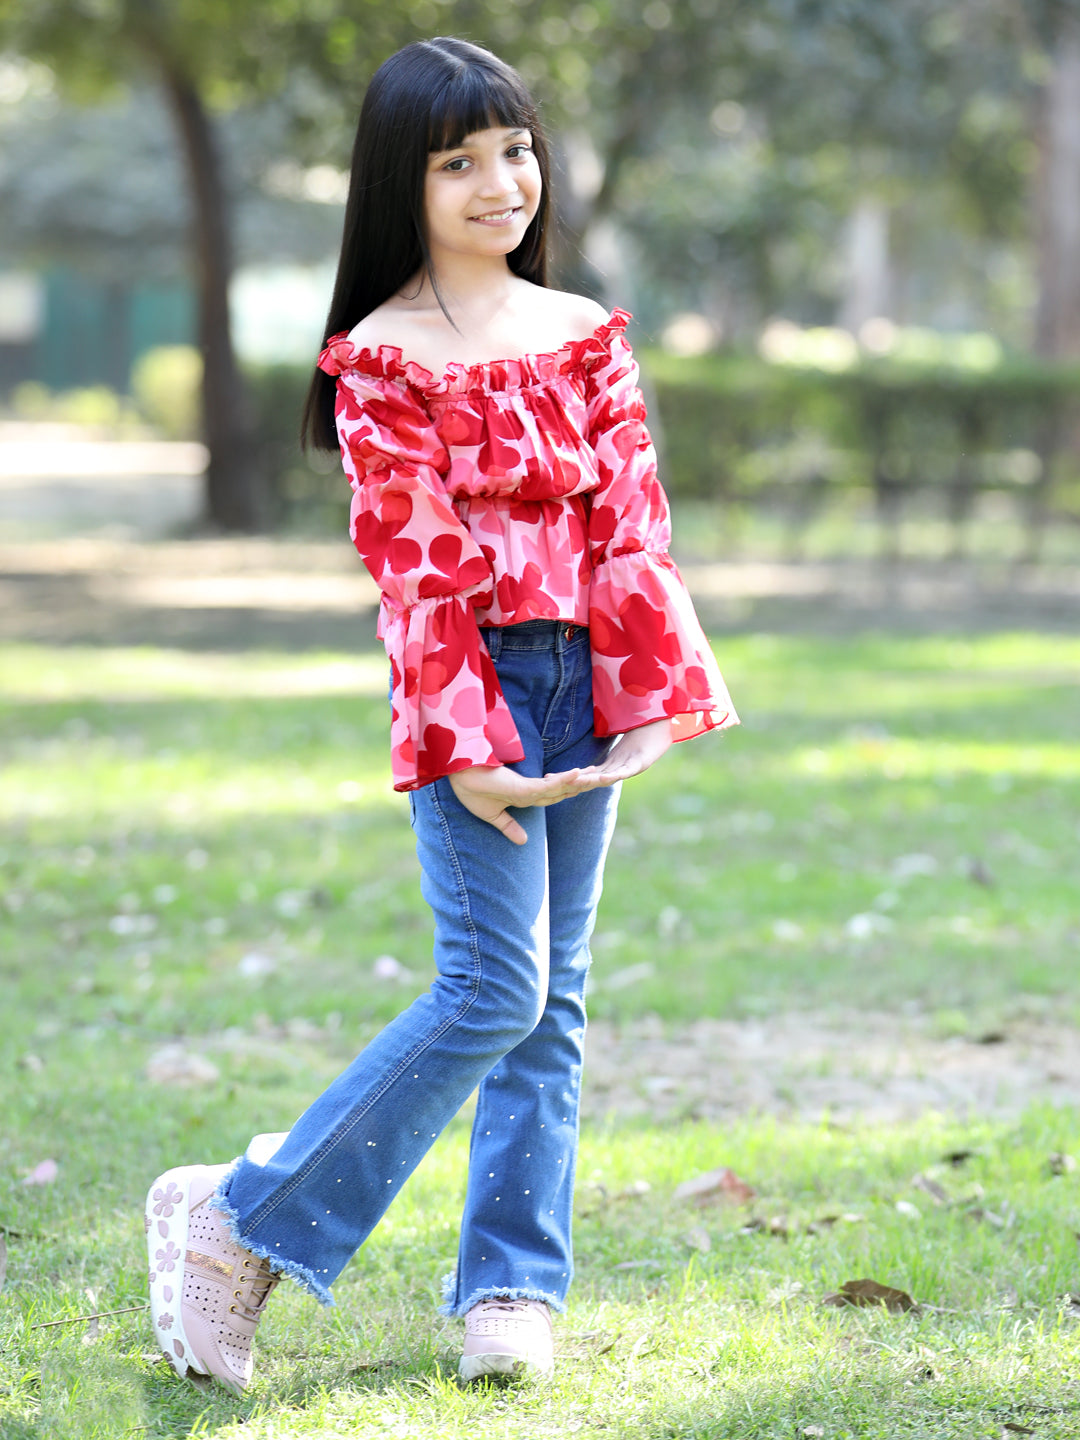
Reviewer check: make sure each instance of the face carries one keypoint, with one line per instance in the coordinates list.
(480, 198)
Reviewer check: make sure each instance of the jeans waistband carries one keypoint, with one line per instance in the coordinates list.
(533, 635)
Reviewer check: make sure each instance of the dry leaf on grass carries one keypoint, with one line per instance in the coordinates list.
(826, 1222)
(937, 1193)
(43, 1174)
(1061, 1164)
(777, 1227)
(174, 1065)
(698, 1239)
(957, 1157)
(991, 1217)
(715, 1187)
(634, 1190)
(1014, 1429)
(871, 1292)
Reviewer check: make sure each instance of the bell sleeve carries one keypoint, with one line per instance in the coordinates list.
(447, 708)
(650, 657)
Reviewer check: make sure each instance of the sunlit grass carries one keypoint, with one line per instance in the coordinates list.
(205, 849)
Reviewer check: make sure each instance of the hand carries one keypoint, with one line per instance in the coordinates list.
(487, 790)
(630, 755)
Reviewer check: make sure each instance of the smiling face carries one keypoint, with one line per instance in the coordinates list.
(481, 196)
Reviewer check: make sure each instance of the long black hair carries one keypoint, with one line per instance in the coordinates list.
(426, 97)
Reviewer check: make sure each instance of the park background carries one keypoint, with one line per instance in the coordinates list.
(835, 969)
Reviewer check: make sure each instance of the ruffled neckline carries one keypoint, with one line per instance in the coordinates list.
(386, 363)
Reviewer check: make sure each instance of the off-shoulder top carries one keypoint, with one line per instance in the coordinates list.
(508, 491)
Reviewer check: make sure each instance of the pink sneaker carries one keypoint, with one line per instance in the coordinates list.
(206, 1292)
(507, 1338)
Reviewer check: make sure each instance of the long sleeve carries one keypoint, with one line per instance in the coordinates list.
(447, 710)
(650, 656)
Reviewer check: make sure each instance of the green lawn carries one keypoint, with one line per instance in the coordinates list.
(205, 849)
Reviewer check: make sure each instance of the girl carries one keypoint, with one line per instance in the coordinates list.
(542, 650)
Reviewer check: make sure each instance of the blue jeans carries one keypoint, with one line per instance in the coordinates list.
(506, 1013)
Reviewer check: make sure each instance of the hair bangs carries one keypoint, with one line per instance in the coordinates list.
(477, 98)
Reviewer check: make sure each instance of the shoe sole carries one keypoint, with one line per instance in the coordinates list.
(167, 1285)
(501, 1367)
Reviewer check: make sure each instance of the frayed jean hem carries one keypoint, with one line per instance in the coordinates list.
(219, 1201)
(492, 1292)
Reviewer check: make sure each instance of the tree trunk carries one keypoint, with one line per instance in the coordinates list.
(866, 280)
(236, 496)
(1057, 316)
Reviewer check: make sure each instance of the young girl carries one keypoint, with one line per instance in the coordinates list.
(542, 650)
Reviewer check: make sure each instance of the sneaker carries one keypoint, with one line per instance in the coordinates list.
(510, 1338)
(206, 1292)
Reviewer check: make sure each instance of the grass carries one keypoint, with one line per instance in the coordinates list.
(204, 850)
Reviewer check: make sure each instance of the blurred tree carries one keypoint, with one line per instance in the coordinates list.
(205, 58)
(1057, 198)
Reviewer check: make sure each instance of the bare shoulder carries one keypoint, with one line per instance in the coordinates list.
(387, 325)
(577, 315)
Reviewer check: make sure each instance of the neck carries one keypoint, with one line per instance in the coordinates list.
(470, 286)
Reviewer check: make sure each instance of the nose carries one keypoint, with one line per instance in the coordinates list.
(497, 180)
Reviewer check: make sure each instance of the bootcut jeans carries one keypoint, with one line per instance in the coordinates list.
(506, 1013)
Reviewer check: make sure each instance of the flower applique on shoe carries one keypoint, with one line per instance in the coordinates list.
(207, 1293)
(507, 1339)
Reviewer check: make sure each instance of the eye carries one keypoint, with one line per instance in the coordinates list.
(519, 151)
(456, 166)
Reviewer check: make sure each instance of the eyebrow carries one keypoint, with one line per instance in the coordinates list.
(466, 144)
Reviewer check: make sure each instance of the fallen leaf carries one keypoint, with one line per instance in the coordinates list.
(978, 872)
(386, 967)
(43, 1174)
(627, 976)
(1061, 1164)
(753, 1227)
(760, 1226)
(826, 1222)
(870, 1292)
(698, 1239)
(1015, 1429)
(991, 1037)
(977, 1212)
(715, 1187)
(937, 1193)
(639, 1265)
(634, 1190)
(173, 1065)
(906, 1208)
(812, 1432)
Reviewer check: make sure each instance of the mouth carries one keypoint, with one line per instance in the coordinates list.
(497, 217)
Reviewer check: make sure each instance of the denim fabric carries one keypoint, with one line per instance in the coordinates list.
(505, 1013)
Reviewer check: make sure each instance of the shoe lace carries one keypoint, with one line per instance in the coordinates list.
(257, 1280)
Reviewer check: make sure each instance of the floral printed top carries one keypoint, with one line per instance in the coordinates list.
(509, 491)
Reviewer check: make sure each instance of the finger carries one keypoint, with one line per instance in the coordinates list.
(506, 823)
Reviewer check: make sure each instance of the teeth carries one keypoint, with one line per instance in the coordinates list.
(497, 215)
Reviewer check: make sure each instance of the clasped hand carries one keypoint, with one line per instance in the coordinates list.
(489, 791)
